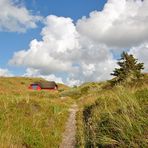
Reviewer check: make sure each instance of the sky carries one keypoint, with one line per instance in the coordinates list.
(71, 41)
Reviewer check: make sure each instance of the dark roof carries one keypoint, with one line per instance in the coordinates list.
(46, 84)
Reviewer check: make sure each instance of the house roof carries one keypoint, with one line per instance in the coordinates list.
(46, 84)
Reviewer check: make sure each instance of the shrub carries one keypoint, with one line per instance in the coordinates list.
(129, 69)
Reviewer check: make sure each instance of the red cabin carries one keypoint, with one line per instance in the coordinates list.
(47, 85)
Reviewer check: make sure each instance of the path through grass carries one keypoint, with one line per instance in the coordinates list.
(69, 140)
(31, 119)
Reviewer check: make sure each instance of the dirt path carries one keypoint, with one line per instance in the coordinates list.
(70, 130)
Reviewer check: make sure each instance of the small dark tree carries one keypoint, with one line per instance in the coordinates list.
(129, 69)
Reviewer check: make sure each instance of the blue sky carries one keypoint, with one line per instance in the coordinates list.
(15, 41)
(67, 8)
(70, 41)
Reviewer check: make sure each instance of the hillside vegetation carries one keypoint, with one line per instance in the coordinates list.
(113, 116)
(28, 118)
(108, 116)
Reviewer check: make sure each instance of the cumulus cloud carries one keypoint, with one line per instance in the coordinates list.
(15, 17)
(59, 37)
(73, 82)
(5, 73)
(30, 72)
(141, 53)
(77, 53)
(121, 24)
(63, 51)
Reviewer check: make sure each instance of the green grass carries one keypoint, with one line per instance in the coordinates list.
(107, 117)
(114, 117)
(34, 119)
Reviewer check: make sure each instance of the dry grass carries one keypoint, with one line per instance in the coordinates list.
(28, 118)
(114, 117)
(107, 117)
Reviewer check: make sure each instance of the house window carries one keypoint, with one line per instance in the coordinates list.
(34, 86)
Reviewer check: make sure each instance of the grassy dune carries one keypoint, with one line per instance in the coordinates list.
(31, 119)
(114, 117)
(107, 117)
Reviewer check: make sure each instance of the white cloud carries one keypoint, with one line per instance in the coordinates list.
(82, 52)
(141, 53)
(73, 82)
(15, 17)
(52, 77)
(121, 24)
(59, 38)
(63, 51)
(88, 69)
(30, 72)
(5, 73)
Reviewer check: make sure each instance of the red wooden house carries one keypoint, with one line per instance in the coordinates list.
(46, 85)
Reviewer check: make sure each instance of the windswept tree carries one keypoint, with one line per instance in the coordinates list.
(129, 69)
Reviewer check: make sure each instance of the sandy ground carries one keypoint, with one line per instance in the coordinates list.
(70, 130)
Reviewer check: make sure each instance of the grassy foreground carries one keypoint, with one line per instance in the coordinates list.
(31, 119)
(113, 117)
(107, 116)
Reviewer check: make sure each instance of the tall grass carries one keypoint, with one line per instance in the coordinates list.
(31, 119)
(117, 118)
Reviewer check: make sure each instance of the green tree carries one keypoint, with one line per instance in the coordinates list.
(129, 69)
